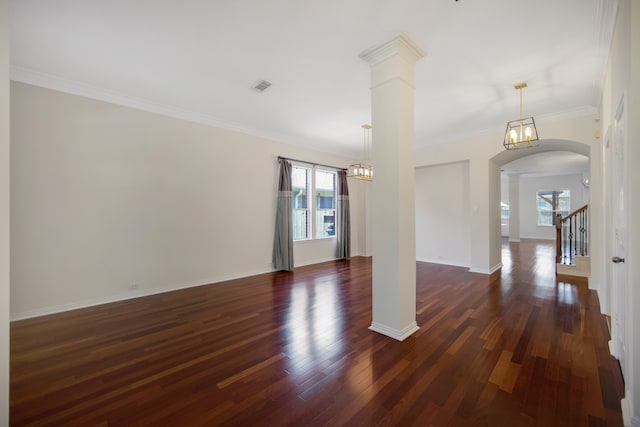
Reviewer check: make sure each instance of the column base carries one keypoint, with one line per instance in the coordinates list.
(397, 334)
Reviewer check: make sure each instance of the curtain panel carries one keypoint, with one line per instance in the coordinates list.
(343, 218)
(283, 236)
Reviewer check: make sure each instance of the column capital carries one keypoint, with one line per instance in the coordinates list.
(400, 45)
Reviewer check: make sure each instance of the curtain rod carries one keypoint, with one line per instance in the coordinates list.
(310, 163)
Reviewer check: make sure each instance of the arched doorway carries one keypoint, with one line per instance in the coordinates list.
(501, 159)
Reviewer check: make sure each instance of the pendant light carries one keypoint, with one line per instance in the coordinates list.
(521, 133)
(363, 170)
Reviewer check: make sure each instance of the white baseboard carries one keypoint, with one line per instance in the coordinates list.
(495, 268)
(397, 334)
(443, 262)
(626, 413)
(143, 293)
(125, 296)
(314, 261)
(492, 270)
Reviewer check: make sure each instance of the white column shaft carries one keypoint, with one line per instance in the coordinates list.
(393, 204)
(514, 208)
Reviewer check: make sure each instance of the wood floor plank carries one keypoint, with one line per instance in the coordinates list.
(516, 348)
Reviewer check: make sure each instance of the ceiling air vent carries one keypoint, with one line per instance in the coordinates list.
(262, 85)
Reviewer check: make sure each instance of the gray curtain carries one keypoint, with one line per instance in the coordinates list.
(343, 218)
(283, 237)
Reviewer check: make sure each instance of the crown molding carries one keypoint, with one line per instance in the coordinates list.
(50, 81)
(61, 84)
(606, 13)
(499, 128)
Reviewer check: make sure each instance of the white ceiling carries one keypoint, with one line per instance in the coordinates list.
(198, 59)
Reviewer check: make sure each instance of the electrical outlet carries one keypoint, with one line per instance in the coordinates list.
(133, 286)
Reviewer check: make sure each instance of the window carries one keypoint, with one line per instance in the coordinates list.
(504, 212)
(550, 202)
(300, 189)
(325, 186)
(319, 203)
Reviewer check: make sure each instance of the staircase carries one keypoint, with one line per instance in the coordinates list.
(572, 243)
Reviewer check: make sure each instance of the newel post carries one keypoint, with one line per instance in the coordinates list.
(558, 238)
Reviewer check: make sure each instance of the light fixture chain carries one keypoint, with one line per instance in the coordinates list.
(520, 104)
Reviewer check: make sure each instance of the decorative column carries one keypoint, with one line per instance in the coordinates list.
(393, 205)
(514, 208)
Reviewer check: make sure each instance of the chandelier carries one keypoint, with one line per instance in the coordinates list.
(363, 170)
(521, 133)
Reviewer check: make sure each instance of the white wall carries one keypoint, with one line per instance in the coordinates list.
(105, 196)
(529, 186)
(442, 214)
(623, 79)
(4, 213)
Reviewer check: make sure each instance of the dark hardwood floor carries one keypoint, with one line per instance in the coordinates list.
(518, 348)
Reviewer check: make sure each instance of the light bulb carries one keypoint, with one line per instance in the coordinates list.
(514, 135)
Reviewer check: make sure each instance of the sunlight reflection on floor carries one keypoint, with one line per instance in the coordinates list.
(313, 324)
(543, 267)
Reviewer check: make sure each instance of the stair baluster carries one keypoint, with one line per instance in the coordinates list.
(572, 235)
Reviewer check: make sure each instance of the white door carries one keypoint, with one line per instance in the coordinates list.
(619, 241)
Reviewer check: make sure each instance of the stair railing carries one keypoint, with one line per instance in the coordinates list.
(572, 238)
